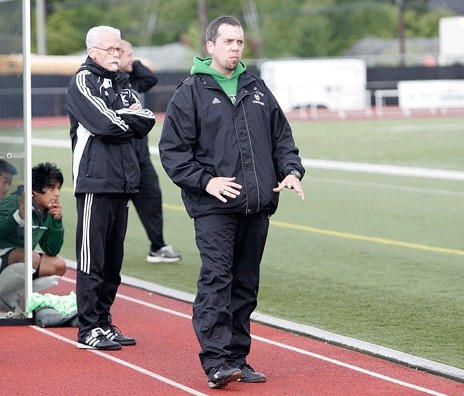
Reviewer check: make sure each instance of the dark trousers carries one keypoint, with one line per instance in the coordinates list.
(148, 202)
(100, 232)
(231, 248)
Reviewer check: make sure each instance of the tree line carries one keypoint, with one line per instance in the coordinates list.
(273, 28)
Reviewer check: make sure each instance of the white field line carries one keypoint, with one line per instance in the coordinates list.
(283, 346)
(384, 169)
(387, 186)
(125, 364)
(307, 163)
(420, 128)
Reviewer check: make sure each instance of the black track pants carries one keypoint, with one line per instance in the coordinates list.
(231, 248)
(100, 232)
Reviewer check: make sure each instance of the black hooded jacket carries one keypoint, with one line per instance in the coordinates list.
(204, 136)
(102, 128)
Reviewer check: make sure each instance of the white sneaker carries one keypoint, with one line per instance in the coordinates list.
(164, 255)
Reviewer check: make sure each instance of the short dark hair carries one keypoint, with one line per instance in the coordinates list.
(45, 175)
(6, 167)
(213, 27)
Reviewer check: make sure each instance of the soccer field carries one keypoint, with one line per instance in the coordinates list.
(373, 256)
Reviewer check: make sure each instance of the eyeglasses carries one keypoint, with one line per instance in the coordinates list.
(111, 50)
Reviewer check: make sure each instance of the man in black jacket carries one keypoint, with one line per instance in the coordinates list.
(148, 202)
(227, 144)
(105, 118)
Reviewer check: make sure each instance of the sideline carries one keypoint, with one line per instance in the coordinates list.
(392, 355)
(288, 347)
(307, 162)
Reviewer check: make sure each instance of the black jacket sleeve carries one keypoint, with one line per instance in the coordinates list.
(141, 78)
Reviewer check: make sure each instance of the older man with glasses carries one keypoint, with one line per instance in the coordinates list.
(105, 116)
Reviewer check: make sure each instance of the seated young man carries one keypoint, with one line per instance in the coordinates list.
(7, 171)
(47, 227)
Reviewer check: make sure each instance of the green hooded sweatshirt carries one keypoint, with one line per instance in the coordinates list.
(229, 85)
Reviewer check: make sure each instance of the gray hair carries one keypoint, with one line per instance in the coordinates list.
(94, 33)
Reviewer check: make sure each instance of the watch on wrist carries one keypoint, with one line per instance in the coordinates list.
(295, 173)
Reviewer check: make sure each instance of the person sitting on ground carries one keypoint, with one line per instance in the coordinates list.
(47, 226)
(7, 171)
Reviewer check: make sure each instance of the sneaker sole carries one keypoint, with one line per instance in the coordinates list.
(112, 348)
(225, 381)
(152, 259)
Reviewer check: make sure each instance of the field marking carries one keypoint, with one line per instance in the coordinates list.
(124, 363)
(339, 165)
(267, 341)
(420, 128)
(309, 163)
(346, 235)
(386, 186)
(381, 169)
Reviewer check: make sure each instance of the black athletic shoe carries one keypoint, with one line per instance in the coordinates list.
(219, 377)
(97, 339)
(114, 334)
(250, 375)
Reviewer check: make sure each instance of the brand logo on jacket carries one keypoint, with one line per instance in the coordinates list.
(107, 83)
(216, 101)
(258, 97)
(125, 95)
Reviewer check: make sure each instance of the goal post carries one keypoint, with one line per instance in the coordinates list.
(16, 146)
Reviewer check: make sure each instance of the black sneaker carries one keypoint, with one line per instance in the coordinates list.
(219, 377)
(250, 375)
(114, 334)
(97, 339)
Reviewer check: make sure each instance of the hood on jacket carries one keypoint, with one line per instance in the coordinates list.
(228, 84)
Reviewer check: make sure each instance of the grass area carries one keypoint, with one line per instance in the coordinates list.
(374, 257)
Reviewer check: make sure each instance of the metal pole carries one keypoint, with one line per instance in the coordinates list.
(40, 22)
(401, 30)
(203, 21)
(27, 117)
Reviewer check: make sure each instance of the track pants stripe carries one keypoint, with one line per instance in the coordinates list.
(85, 247)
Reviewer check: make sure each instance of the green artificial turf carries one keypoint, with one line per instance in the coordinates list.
(374, 257)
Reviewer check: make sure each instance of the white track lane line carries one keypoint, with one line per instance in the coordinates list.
(271, 342)
(349, 366)
(125, 364)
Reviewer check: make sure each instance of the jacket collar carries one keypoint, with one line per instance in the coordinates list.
(91, 66)
(244, 79)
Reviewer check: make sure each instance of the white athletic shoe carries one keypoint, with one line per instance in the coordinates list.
(164, 255)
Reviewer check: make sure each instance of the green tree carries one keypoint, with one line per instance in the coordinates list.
(423, 24)
(282, 28)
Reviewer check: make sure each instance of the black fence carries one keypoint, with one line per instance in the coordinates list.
(49, 91)
(387, 78)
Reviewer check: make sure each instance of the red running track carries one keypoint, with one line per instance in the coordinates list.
(36, 361)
